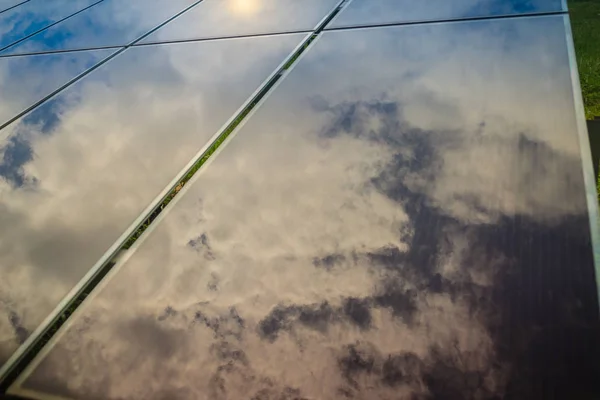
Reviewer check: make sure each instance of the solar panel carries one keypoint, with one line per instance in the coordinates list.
(20, 22)
(110, 23)
(218, 18)
(375, 12)
(27, 80)
(77, 172)
(405, 216)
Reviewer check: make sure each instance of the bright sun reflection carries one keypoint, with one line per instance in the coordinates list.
(245, 7)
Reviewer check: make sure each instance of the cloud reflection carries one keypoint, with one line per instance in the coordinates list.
(218, 18)
(77, 171)
(376, 231)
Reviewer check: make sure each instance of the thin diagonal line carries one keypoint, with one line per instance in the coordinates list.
(49, 26)
(439, 21)
(45, 52)
(16, 5)
(225, 37)
(176, 41)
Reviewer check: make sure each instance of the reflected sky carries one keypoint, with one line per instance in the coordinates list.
(26, 80)
(368, 12)
(404, 217)
(110, 23)
(77, 171)
(34, 15)
(215, 18)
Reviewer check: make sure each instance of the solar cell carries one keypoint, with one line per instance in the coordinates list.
(27, 19)
(375, 12)
(218, 18)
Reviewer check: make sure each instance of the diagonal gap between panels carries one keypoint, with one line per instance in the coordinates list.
(13, 6)
(50, 26)
(38, 339)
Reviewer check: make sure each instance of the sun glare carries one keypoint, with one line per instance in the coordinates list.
(245, 7)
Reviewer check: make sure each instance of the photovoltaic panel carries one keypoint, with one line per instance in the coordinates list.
(218, 18)
(404, 217)
(78, 171)
(110, 23)
(375, 12)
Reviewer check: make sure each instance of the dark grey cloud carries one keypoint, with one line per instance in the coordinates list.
(226, 325)
(17, 150)
(202, 245)
(358, 312)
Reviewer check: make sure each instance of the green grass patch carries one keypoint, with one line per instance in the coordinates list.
(585, 23)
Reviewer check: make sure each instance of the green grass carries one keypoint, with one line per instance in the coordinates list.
(585, 23)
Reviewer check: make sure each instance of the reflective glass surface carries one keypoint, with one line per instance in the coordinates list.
(110, 23)
(77, 171)
(218, 18)
(6, 4)
(19, 22)
(373, 12)
(404, 217)
(28, 79)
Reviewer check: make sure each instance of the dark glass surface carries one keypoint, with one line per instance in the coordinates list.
(28, 79)
(34, 15)
(6, 4)
(403, 218)
(110, 23)
(77, 171)
(218, 18)
(373, 12)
